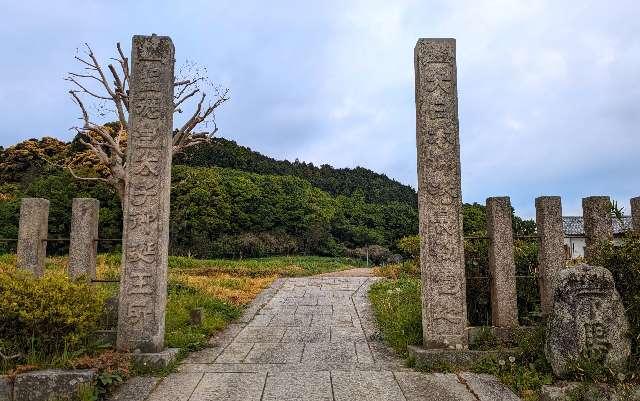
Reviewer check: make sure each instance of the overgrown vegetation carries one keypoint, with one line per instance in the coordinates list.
(50, 322)
(623, 261)
(221, 207)
(398, 310)
(397, 307)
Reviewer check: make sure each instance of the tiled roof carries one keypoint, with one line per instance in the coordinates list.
(574, 225)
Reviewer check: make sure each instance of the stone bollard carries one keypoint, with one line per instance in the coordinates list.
(502, 266)
(596, 214)
(551, 256)
(587, 321)
(84, 234)
(196, 315)
(635, 213)
(32, 235)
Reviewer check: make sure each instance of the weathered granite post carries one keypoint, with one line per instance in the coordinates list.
(551, 251)
(143, 285)
(84, 234)
(444, 315)
(32, 235)
(635, 213)
(502, 265)
(596, 214)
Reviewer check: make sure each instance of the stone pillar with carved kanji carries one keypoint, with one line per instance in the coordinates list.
(444, 316)
(502, 265)
(143, 285)
(598, 225)
(551, 256)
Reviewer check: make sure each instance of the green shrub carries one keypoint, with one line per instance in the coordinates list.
(410, 246)
(623, 261)
(42, 319)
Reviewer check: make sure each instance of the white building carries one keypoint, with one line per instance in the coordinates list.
(574, 238)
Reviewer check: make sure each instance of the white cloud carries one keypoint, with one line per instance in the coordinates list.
(548, 90)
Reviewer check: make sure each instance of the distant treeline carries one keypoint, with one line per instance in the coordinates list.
(270, 207)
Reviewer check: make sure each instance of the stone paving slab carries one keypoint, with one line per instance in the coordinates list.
(176, 387)
(366, 386)
(433, 387)
(270, 353)
(487, 387)
(312, 339)
(135, 389)
(298, 386)
(229, 387)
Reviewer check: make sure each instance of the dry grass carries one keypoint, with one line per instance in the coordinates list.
(233, 289)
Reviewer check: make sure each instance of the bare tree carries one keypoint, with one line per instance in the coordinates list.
(108, 90)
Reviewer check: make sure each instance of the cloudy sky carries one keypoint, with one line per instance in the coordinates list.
(549, 90)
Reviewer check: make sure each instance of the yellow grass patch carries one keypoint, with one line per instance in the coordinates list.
(234, 289)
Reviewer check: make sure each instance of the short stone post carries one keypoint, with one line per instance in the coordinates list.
(84, 235)
(598, 227)
(635, 213)
(551, 251)
(32, 235)
(145, 241)
(444, 310)
(502, 266)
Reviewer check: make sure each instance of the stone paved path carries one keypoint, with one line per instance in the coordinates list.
(311, 339)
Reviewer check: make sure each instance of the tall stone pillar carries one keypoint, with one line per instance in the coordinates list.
(502, 265)
(444, 315)
(635, 213)
(84, 235)
(596, 214)
(551, 256)
(32, 235)
(143, 285)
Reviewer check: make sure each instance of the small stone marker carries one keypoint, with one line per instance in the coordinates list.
(635, 213)
(32, 235)
(143, 286)
(596, 214)
(502, 266)
(551, 252)
(587, 321)
(444, 316)
(196, 315)
(84, 234)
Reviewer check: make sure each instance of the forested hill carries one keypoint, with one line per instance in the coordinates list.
(217, 209)
(377, 188)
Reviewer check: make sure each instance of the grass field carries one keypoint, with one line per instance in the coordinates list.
(220, 287)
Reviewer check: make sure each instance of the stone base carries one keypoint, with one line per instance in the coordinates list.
(44, 385)
(505, 335)
(6, 388)
(433, 358)
(155, 360)
(561, 391)
(557, 391)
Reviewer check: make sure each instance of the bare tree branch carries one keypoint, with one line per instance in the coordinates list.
(107, 146)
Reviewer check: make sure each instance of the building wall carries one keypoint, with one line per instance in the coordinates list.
(575, 246)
